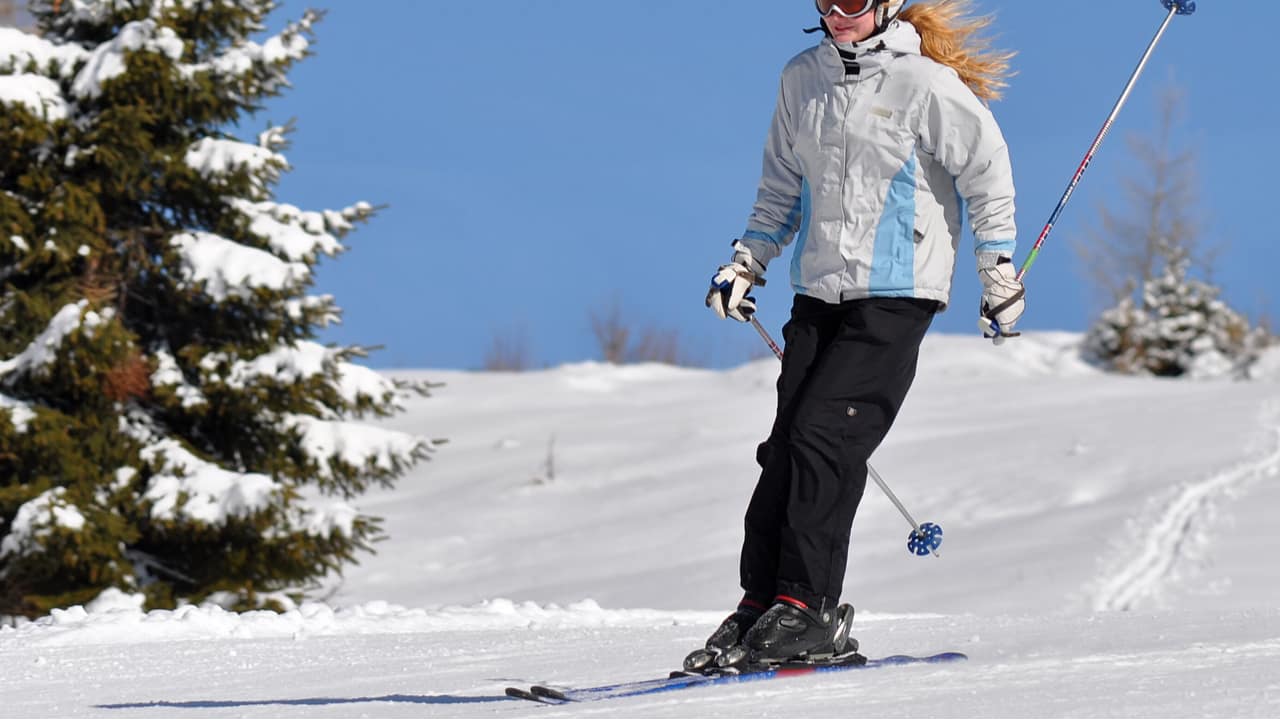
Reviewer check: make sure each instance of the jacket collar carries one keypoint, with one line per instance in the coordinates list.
(871, 55)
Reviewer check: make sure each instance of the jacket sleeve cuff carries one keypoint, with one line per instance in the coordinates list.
(742, 253)
(762, 246)
(988, 260)
(997, 246)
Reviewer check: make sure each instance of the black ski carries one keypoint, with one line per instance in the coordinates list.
(680, 680)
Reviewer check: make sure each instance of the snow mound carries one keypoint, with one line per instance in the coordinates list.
(118, 618)
(1267, 368)
(122, 621)
(1040, 354)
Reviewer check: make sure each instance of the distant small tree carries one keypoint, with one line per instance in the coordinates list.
(1163, 321)
(1127, 249)
(1179, 328)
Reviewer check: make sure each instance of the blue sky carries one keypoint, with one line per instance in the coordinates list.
(543, 159)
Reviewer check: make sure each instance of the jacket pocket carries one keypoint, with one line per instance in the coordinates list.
(925, 224)
(861, 430)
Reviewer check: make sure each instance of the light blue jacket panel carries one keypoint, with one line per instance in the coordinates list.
(871, 175)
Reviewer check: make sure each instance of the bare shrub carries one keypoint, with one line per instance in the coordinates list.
(509, 352)
(1128, 247)
(621, 341)
(611, 331)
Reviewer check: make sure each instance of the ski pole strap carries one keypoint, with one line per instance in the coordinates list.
(993, 312)
(992, 329)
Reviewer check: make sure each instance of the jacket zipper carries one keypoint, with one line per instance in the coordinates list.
(844, 176)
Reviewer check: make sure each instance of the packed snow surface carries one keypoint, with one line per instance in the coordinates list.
(1109, 551)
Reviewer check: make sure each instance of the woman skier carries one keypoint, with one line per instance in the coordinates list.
(880, 143)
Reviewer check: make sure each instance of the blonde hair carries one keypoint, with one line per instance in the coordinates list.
(949, 34)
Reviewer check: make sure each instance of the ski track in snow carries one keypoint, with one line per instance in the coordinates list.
(1170, 537)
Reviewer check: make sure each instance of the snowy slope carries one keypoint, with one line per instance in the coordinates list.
(1109, 551)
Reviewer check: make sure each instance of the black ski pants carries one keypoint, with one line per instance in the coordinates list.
(845, 373)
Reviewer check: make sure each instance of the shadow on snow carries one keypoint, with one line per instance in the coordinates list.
(413, 699)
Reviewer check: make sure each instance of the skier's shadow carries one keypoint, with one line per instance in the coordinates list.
(210, 704)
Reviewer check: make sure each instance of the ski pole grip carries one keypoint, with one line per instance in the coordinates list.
(1184, 7)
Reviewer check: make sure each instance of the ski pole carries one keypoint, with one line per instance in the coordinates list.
(924, 539)
(1175, 7)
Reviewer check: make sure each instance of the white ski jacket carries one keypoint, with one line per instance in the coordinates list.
(871, 174)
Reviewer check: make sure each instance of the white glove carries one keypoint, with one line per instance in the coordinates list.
(728, 297)
(1003, 297)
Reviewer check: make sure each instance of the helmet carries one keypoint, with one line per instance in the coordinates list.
(886, 12)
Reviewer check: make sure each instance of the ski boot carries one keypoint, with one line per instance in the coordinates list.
(728, 635)
(793, 633)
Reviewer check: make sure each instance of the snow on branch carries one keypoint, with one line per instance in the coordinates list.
(100, 12)
(19, 49)
(304, 360)
(216, 158)
(211, 493)
(37, 93)
(293, 234)
(357, 445)
(322, 310)
(159, 8)
(37, 518)
(20, 413)
(229, 269)
(168, 375)
(248, 58)
(334, 517)
(107, 61)
(274, 137)
(186, 487)
(291, 43)
(44, 349)
(357, 381)
(287, 363)
(339, 221)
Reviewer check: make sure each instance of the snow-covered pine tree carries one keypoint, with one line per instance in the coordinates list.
(1164, 322)
(1180, 328)
(168, 423)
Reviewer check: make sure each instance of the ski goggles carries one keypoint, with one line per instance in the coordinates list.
(846, 8)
